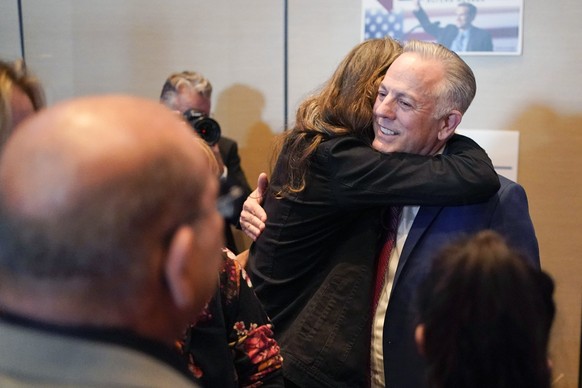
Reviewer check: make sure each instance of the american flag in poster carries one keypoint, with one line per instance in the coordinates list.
(380, 22)
(395, 18)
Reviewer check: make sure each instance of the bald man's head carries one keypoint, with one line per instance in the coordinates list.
(94, 188)
(82, 144)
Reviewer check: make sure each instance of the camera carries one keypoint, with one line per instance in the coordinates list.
(207, 128)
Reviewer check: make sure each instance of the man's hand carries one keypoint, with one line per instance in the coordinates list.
(253, 216)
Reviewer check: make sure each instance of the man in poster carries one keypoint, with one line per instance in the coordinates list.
(463, 36)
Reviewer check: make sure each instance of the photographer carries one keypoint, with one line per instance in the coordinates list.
(190, 93)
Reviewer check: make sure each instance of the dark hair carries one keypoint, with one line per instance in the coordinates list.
(487, 316)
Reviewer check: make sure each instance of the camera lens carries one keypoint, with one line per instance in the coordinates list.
(207, 128)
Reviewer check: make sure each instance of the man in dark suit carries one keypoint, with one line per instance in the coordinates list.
(433, 228)
(413, 91)
(190, 90)
(462, 37)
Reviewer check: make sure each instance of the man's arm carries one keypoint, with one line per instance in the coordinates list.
(485, 42)
(253, 216)
(234, 174)
(432, 28)
(229, 152)
(359, 176)
(512, 220)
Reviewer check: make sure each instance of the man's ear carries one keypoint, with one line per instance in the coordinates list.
(419, 338)
(449, 123)
(177, 267)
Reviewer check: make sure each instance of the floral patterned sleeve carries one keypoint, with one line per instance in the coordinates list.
(232, 343)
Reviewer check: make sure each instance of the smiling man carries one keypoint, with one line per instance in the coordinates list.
(420, 103)
(408, 118)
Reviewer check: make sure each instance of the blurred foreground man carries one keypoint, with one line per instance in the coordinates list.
(109, 243)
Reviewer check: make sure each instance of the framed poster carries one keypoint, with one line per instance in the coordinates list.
(469, 27)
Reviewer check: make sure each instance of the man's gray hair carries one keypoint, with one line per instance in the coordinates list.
(459, 86)
(185, 79)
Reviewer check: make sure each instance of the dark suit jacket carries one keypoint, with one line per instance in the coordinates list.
(229, 152)
(328, 344)
(506, 212)
(479, 39)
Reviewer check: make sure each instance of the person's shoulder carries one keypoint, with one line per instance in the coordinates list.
(451, 29)
(340, 141)
(509, 187)
(335, 153)
(340, 146)
(226, 141)
(480, 32)
(505, 182)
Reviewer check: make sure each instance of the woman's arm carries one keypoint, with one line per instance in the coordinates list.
(361, 176)
(357, 175)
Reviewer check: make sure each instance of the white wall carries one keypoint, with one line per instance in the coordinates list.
(80, 47)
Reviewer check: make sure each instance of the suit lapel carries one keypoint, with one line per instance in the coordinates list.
(425, 216)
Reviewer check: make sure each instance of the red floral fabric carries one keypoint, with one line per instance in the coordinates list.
(232, 342)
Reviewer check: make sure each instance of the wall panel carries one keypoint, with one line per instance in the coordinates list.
(81, 47)
(9, 30)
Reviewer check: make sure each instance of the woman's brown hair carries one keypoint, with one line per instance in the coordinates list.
(343, 106)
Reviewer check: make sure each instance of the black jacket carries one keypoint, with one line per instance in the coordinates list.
(290, 262)
(236, 177)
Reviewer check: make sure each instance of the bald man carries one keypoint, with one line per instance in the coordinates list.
(109, 245)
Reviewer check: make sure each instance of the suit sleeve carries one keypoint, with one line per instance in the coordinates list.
(236, 176)
(512, 220)
(487, 41)
(431, 28)
(360, 176)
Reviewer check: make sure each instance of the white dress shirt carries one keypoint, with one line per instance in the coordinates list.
(377, 354)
